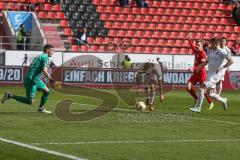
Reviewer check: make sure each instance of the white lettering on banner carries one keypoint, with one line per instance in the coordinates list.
(10, 74)
(109, 77)
(176, 78)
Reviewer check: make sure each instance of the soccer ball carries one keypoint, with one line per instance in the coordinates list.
(140, 106)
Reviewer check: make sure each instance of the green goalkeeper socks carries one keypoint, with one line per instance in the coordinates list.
(22, 99)
(44, 99)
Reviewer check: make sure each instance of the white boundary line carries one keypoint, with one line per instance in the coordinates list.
(41, 149)
(140, 142)
(197, 118)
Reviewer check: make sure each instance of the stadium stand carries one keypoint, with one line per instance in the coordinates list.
(161, 28)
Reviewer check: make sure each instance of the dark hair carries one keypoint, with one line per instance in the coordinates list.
(46, 47)
(214, 40)
(224, 38)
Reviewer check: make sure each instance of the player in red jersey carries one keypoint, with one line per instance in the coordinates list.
(199, 71)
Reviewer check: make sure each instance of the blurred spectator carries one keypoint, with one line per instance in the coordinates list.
(206, 47)
(127, 63)
(82, 36)
(229, 1)
(21, 37)
(142, 3)
(236, 48)
(124, 3)
(236, 13)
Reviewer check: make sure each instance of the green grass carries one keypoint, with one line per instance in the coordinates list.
(22, 123)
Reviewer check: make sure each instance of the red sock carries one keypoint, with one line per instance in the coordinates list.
(193, 94)
(209, 99)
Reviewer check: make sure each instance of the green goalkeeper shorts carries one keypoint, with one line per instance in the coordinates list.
(32, 87)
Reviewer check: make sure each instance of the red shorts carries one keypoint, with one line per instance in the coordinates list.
(197, 78)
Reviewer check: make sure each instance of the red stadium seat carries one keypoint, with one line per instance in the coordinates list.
(127, 10)
(156, 34)
(156, 3)
(220, 28)
(93, 48)
(136, 10)
(108, 25)
(67, 32)
(113, 17)
(177, 12)
(148, 34)
(42, 15)
(99, 40)
(161, 26)
(139, 33)
(148, 50)
(156, 19)
(47, 7)
(182, 35)
(164, 4)
(166, 50)
(51, 15)
(157, 50)
(173, 4)
(118, 10)
(56, 7)
(152, 11)
(60, 15)
(229, 29)
(153, 42)
(130, 18)
(64, 23)
(194, 12)
(135, 26)
(101, 9)
(135, 41)
(189, 5)
(143, 42)
(83, 48)
(112, 33)
(130, 33)
(117, 25)
(161, 42)
(160, 11)
(165, 35)
(2, 6)
(122, 17)
(75, 48)
(139, 18)
(104, 17)
(109, 9)
(139, 49)
(144, 11)
(143, 26)
(148, 18)
(152, 26)
(121, 33)
(126, 25)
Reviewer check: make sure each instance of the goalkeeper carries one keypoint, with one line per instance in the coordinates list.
(33, 82)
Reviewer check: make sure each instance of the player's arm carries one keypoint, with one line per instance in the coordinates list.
(191, 44)
(47, 75)
(229, 60)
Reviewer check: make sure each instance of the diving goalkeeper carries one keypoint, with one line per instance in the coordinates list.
(33, 82)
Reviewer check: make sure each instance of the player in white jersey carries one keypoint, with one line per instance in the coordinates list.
(150, 74)
(223, 46)
(216, 66)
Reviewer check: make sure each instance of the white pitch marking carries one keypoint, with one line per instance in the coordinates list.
(41, 149)
(147, 141)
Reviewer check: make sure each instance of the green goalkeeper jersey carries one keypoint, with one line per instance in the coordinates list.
(36, 68)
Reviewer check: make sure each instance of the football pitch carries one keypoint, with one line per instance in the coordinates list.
(169, 132)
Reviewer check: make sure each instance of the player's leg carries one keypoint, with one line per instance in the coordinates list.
(45, 93)
(151, 96)
(190, 89)
(30, 93)
(219, 85)
(198, 105)
(216, 96)
(211, 84)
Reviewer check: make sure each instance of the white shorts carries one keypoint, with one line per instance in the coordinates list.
(213, 79)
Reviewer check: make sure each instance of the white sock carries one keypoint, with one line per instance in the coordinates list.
(200, 99)
(217, 97)
(220, 88)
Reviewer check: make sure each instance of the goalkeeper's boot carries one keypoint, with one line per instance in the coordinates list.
(6, 97)
(43, 110)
